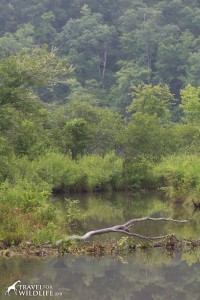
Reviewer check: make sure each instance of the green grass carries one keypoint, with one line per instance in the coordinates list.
(26, 210)
(179, 175)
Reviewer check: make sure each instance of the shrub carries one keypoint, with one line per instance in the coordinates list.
(49, 233)
(24, 195)
(179, 176)
(58, 170)
(138, 173)
(102, 173)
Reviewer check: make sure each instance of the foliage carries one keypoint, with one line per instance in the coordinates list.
(83, 128)
(191, 104)
(152, 100)
(102, 173)
(130, 74)
(146, 136)
(61, 134)
(180, 177)
(79, 135)
(73, 213)
(26, 196)
(138, 173)
(58, 170)
(10, 43)
(156, 42)
(86, 41)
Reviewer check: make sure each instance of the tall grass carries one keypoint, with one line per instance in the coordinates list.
(138, 173)
(88, 173)
(25, 189)
(101, 173)
(179, 176)
(25, 209)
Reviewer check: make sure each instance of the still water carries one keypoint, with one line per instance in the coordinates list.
(154, 274)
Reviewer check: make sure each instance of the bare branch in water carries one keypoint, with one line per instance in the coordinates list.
(123, 229)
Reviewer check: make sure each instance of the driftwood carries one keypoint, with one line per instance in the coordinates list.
(123, 229)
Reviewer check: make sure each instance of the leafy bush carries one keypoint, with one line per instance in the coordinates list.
(23, 195)
(102, 173)
(138, 173)
(179, 176)
(88, 173)
(29, 216)
(49, 233)
(59, 171)
(14, 224)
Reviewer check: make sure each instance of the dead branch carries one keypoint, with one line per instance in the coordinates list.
(123, 229)
(129, 223)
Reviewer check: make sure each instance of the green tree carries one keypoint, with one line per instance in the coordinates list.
(82, 94)
(130, 74)
(193, 73)
(102, 129)
(23, 115)
(191, 104)
(10, 43)
(172, 59)
(86, 41)
(152, 100)
(140, 33)
(29, 137)
(45, 33)
(145, 136)
(78, 136)
(30, 69)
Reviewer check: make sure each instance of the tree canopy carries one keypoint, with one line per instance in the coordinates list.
(96, 95)
(116, 43)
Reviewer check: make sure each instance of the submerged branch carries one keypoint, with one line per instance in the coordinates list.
(123, 229)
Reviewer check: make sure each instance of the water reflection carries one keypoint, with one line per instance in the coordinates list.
(150, 275)
(105, 210)
(142, 275)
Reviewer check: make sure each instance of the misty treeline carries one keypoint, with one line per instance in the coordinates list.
(113, 44)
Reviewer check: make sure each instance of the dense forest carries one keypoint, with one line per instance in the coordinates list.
(95, 96)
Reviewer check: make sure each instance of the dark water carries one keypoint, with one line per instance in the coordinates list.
(154, 274)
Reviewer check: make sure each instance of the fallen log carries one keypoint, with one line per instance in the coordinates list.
(123, 229)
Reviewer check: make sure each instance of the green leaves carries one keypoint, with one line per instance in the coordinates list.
(10, 43)
(28, 69)
(130, 74)
(22, 113)
(152, 100)
(79, 136)
(144, 135)
(191, 104)
(86, 41)
(86, 128)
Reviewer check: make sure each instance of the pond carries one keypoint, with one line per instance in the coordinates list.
(153, 274)
(105, 210)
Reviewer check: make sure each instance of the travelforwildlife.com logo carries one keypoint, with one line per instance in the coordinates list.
(32, 290)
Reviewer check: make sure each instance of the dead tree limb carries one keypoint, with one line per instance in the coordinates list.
(123, 229)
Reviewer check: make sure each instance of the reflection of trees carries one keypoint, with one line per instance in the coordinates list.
(110, 209)
(142, 275)
(12, 269)
(154, 274)
(107, 209)
(145, 276)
